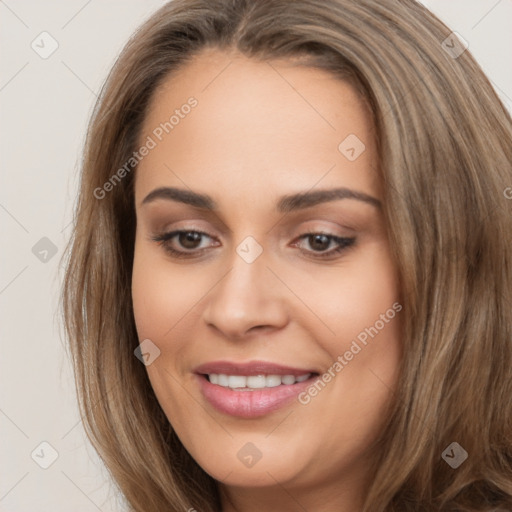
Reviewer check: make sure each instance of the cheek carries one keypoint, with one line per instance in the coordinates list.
(352, 298)
(162, 296)
(165, 301)
(362, 309)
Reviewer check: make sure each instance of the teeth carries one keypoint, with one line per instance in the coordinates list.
(237, 381)
(223, 380)
(273, 381)
(255, 381)
(288, 379)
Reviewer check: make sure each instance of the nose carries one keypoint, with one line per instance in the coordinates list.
(247, 299)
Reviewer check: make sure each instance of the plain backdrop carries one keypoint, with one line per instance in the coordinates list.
(45, 105)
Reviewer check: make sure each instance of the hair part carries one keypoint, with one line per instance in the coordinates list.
(445, 150)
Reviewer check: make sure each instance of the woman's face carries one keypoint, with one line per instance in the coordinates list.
(282, 285)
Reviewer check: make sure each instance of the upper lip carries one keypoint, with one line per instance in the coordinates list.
(250, 368)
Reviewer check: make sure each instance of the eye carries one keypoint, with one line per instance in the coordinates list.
(321, 242)
(191, 243)
(189, 240)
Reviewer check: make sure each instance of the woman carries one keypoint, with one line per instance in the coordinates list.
(289, 286)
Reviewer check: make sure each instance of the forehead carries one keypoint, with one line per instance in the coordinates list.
(276, 123)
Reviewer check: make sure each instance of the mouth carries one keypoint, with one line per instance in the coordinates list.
(250, 390)
(252, 382)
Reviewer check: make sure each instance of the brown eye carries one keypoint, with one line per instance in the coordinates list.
(189, 239)
(183, 243)
(319, 242)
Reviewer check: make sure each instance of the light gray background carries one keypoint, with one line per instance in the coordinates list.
(45, 105)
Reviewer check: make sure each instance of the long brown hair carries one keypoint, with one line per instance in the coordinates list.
(445, 153)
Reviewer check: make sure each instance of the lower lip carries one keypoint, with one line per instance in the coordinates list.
(251, 404)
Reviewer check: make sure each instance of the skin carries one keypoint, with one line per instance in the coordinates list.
(258, 132)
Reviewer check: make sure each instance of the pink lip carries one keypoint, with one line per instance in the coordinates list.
(250, 368)
(250, 404)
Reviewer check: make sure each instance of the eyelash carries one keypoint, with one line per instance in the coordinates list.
(164, 240)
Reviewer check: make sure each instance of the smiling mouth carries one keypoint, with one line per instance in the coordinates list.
(254, 382)
(233, 395)
(251, 389)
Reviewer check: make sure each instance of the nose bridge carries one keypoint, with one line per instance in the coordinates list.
(247, 296)
(243, 281)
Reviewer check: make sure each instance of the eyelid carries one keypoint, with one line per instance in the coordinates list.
(342, 244)
(169, 234)
(164, 239)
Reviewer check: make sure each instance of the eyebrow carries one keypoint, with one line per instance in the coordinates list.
(286, 204)
(202, 201)
(302, 200)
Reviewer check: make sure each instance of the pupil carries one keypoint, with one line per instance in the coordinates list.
(320, 242)
(189, 240)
